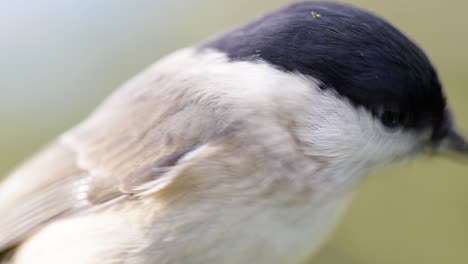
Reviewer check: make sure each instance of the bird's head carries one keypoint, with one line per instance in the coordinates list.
(375, 97)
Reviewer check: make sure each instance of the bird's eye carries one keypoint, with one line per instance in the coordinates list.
(393, 119)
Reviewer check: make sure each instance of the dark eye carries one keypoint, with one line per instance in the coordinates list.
(393, 119)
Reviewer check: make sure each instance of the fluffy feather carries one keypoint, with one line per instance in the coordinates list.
(199, 159)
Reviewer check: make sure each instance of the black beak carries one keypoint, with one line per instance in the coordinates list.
(456, 142)
(447, 140)
(453, 144)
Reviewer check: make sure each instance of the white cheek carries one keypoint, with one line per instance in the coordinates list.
(396, 145)
(390, 146)
(338, 131)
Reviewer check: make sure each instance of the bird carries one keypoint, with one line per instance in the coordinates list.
(244, 148)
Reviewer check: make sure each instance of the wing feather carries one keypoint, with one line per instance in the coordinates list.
(42, 189)
(105, 157)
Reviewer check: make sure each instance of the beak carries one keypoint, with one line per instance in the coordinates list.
(454, 144)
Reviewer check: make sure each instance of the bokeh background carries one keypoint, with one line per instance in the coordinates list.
(59, 59)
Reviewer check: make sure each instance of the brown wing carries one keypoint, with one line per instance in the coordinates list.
(124, 147)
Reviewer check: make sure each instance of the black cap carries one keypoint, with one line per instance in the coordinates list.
(358, 55)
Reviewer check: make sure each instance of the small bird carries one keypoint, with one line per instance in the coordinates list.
(242, 149)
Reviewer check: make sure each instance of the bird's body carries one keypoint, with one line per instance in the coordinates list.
(218, 156)
(268, 205)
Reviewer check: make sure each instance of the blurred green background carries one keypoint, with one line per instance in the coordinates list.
(59, 59)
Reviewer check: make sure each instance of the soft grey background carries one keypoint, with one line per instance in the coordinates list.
(59, 59)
